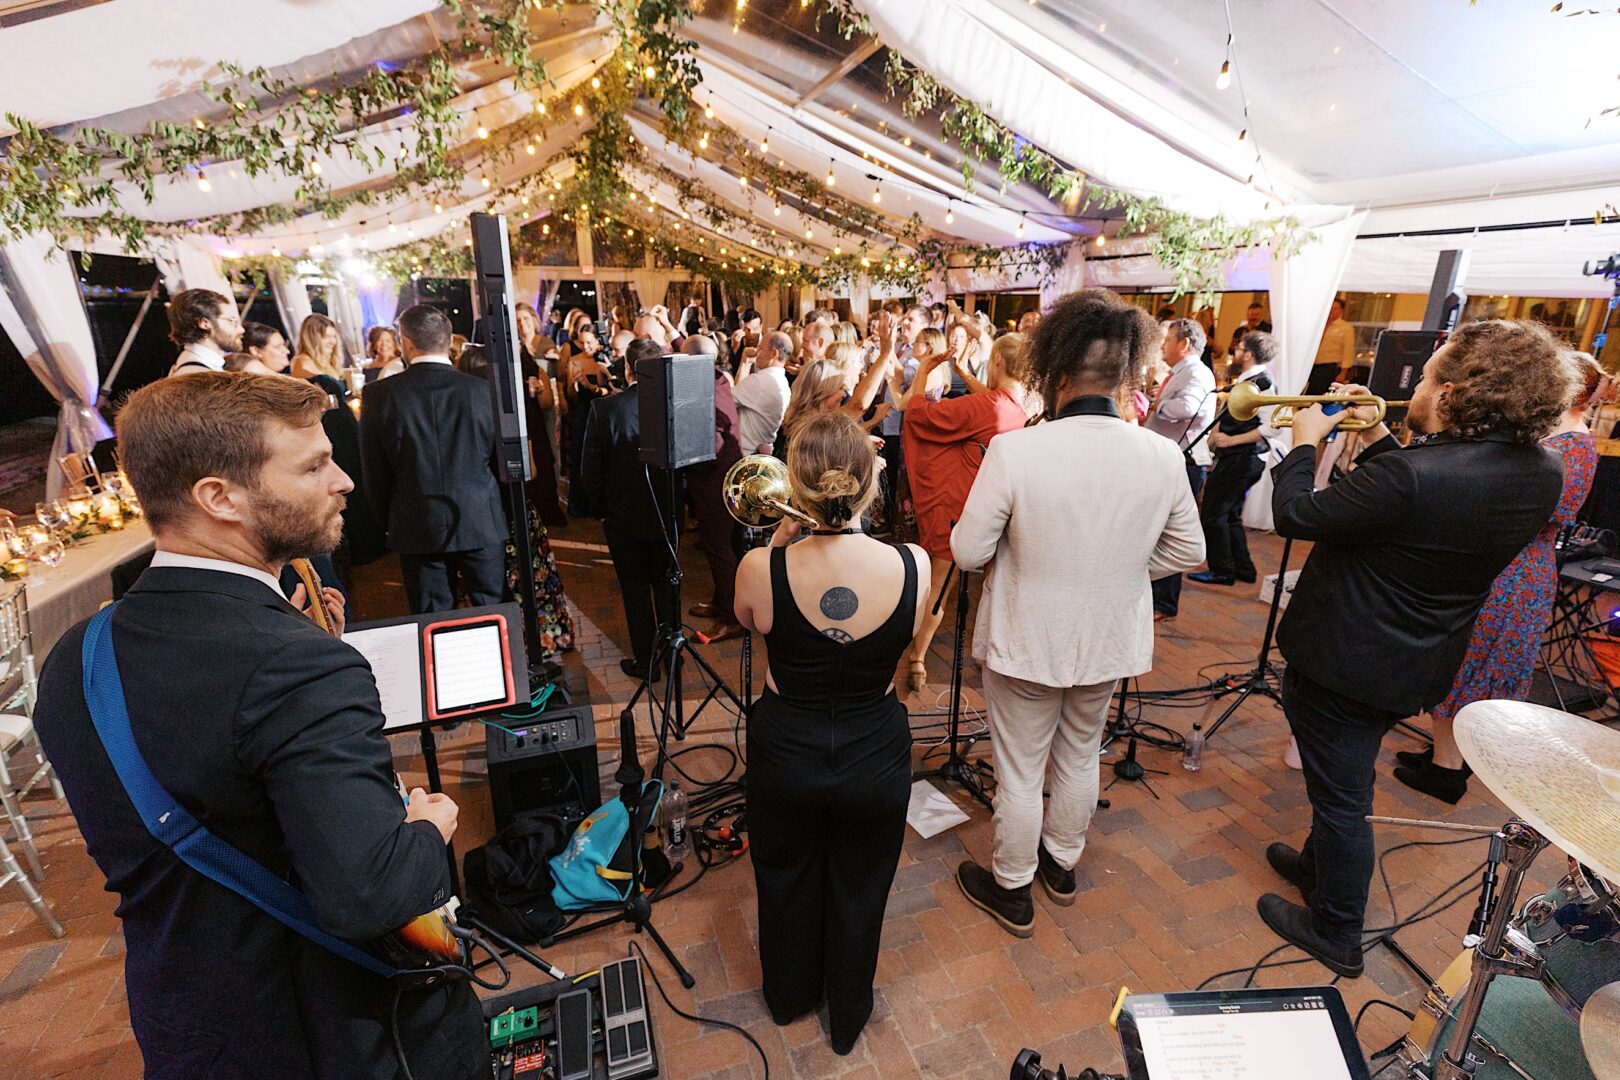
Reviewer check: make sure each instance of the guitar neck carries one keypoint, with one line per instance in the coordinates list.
(317, 603)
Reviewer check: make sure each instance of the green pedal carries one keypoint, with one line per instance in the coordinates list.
(514, 1027)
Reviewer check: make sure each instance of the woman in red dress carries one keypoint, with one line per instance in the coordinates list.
(945, 442)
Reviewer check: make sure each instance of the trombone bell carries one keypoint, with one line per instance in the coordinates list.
(1245, 401)
(756, 492)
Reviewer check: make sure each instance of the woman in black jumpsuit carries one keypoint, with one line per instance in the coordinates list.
(829, 747)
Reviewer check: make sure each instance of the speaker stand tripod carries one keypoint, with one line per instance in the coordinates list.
(1127, 768)
(957, 768)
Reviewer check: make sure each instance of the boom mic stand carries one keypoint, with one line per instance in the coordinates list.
(957, 768)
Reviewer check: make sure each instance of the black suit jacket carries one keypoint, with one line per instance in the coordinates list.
(270, 732)
(1406, 549)
(427, 444)
(616, 480)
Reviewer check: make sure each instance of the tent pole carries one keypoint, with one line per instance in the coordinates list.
(129, 338)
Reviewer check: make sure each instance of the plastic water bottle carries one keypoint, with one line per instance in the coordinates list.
(677, 843)
(1193, 755)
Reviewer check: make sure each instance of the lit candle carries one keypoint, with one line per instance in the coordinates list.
(17, 567)
(33, 537)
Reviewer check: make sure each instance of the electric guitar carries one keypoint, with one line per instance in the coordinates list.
(426, 940)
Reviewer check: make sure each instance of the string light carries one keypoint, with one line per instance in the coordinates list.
(530, 149)
(950, 213)
(275, 253)
(777, 210)
(596, 84)
(579, 109)
(1020, 231)
(650, 71)
(438, 208)
(809, 232)
(1224, 79)
(202, 181)
(392, 227)
(1244, 134)
(540, 108)
(877, 193)
(484, 180)
(831, 179)
(765, 143)
(708, 112)
(1102, 240)
(483, 132)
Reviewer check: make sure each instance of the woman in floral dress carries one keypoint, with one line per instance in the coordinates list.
(1507, 635)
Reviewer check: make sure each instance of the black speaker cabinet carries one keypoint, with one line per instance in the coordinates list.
(546, 764)
(1398, 359)
(677, 410)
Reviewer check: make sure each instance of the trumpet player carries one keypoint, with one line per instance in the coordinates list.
(1238, 447)
(1405, 550)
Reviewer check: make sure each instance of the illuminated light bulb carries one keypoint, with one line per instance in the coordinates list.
(392, 227)
(838, 249)
(596, 84)
(650, 71)
(540, 108)
(468, 242)
(777, 210)
(708, 112)
(529, 149)
(438, 208)
(809, 232)
(866, 263)
(1224, 79)
(1020, 230)
(579, 110)
(484, 180)
(525, 200)
(703, 143)
(906, 141)
(950, 215)
(1102, 240)
(315, 167)
(483, 132)
(545, 230)
(275, 253)
(202, 181)
(765, 143)
(831, 179)
(877, 194)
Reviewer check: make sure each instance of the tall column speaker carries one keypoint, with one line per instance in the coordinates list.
(677, 410)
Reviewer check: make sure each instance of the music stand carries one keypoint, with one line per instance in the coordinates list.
(957, 768)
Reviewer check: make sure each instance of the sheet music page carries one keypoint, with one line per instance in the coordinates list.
(467, 667)
(1243, 1046)
(396, 663)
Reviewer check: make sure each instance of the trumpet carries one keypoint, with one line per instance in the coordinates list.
(1245, 401)
(756, 492)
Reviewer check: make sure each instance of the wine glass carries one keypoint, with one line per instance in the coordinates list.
(51, 554)
(50, 514)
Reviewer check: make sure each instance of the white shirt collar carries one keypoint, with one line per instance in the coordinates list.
(203, 352)
(196, 562)
(1253, 373)
(431, 358)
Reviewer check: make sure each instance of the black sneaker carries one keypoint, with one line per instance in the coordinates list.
(1415, 759)
(1012, 908)
(1293, 924)
(1286, 861)
(1447, 785)
(1058, 882)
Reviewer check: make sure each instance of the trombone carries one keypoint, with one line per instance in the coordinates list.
(1244, 401)
(756, 493)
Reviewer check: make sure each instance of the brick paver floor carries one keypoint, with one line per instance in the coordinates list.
(1168, 886)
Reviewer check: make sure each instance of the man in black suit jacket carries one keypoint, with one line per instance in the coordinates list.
(1406, 549)
(427, 445)
(269, 731)
(620, 490)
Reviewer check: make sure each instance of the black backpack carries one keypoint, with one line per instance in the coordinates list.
(508, 882)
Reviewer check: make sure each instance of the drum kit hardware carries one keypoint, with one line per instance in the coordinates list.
(1535, 995)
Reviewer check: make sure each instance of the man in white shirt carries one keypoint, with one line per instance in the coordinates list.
(762, 394)
(1079, 514)
(1185, 408)
(1336, 353)
(206, 326)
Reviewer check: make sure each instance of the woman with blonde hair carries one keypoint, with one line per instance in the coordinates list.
(945, 442)
(320, 350)
(818, 389)
(829, 747)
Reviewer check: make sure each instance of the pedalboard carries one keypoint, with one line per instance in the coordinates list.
(597, 1027)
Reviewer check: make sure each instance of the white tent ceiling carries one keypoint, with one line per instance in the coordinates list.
(1434, 115)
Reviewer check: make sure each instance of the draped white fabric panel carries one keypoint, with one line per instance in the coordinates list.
(1302, 288)
(1070, 277)
(1532, 262)
(344, 307)
(959, 43)
(292, 298)
(42, 314)
(379, 303)
(184, 265)
(135, 52)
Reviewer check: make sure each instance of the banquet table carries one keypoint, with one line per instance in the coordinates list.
(59, 596)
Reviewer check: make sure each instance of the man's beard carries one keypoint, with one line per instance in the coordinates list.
(1421, 420)
(288, 530)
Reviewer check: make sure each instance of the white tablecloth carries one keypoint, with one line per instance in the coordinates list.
(60, 596)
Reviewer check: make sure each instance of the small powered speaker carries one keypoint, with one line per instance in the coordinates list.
(677, 410)
(1398, 359)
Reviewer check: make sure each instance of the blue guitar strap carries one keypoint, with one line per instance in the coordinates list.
(174, 826)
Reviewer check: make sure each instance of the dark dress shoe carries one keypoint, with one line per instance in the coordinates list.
(726, 632)
(703, 611)
(633, 668)
(1290, 867)
(1415, 759)
(1293, 924)
(1248, 578)
(1447, 785)
(1058, 882)
(1012, 908)
(1205, 577)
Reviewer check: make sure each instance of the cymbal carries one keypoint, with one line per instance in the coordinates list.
(1557, 771)
(1600, 1032)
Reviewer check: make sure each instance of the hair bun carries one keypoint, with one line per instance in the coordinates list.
(837, 483)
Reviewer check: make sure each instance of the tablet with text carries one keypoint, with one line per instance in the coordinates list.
(1264, 1034)
(468, 666)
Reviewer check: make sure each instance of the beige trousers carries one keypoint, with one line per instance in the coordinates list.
(1033, 727)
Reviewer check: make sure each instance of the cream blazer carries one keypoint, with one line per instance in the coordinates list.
(1075, 516)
